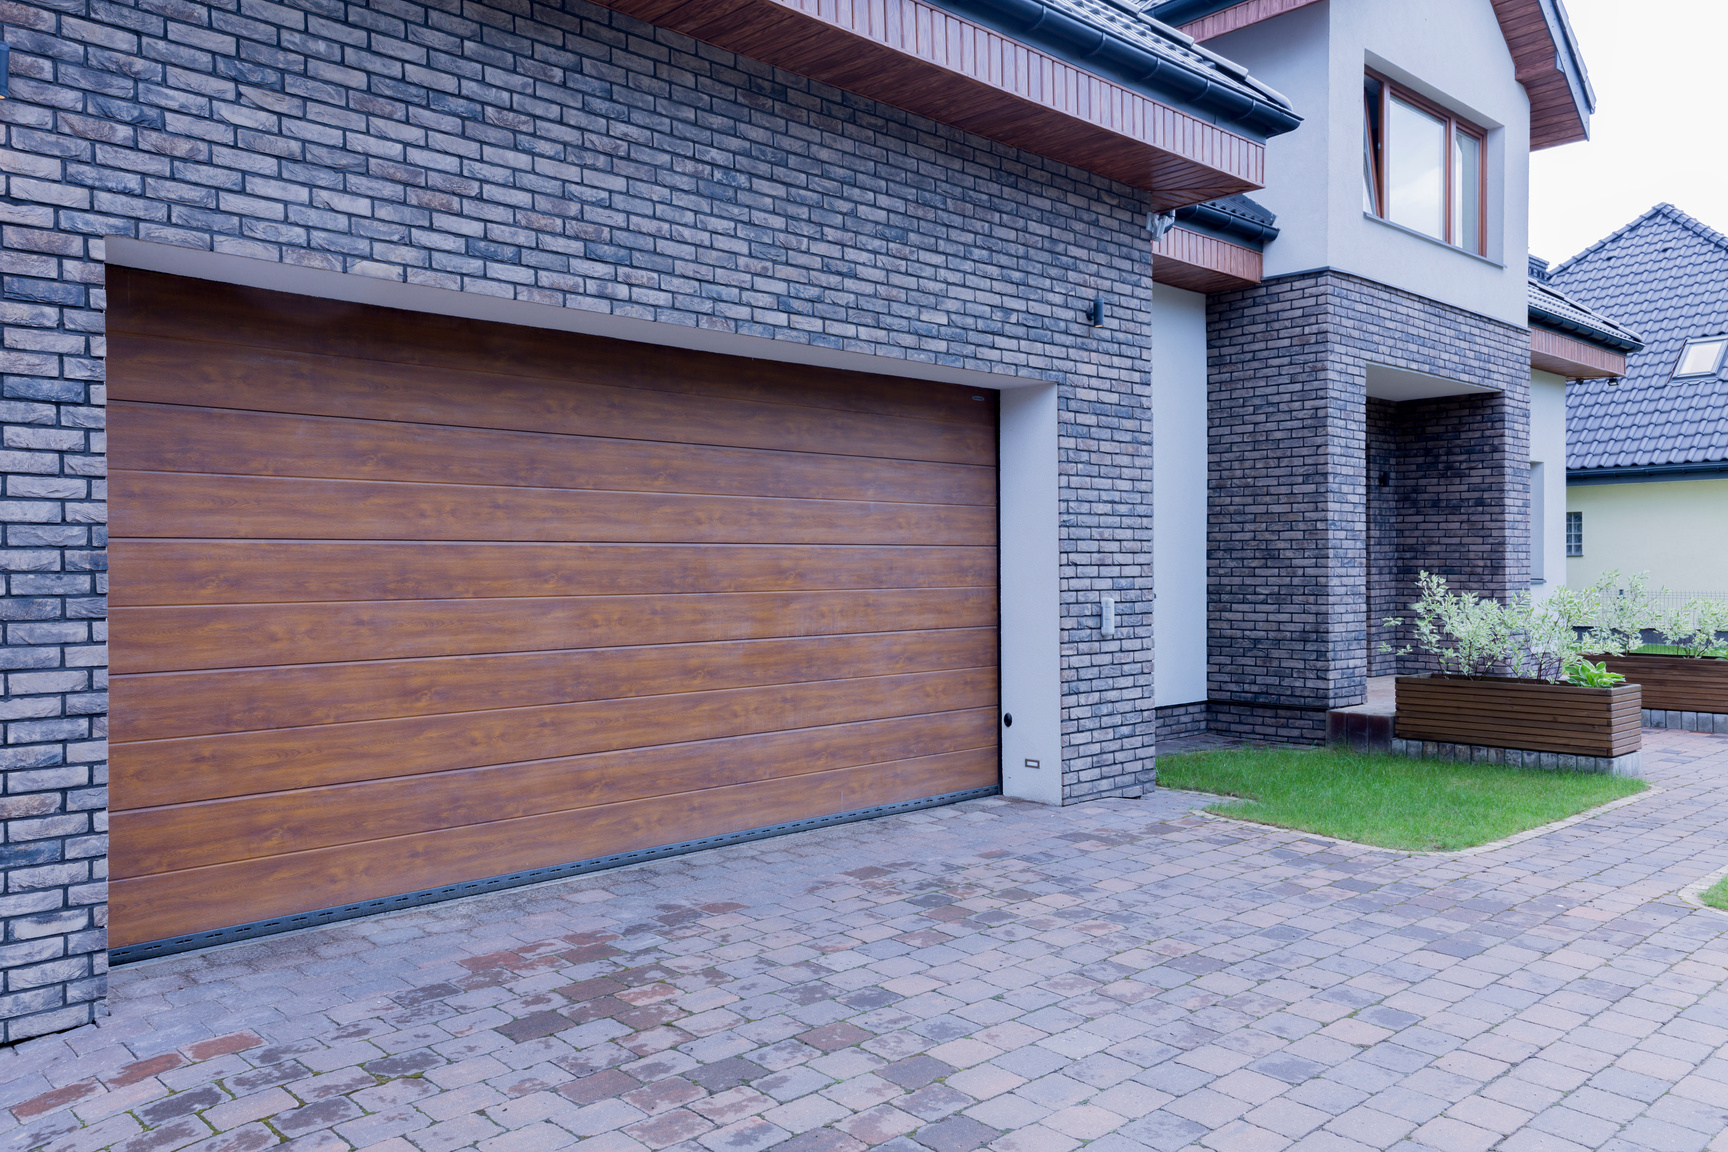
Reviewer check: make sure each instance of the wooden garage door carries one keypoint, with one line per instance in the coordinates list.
(401, 601)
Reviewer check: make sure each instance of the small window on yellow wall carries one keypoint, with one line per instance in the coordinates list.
(1422, 167)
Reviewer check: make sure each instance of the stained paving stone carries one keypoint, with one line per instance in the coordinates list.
(1127, 975)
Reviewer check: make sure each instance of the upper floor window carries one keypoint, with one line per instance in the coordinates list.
(1422, 166)
(1701, 357)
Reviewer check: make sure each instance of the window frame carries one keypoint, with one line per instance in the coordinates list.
(1375, 150)
(1574, 533)
(1715, 369)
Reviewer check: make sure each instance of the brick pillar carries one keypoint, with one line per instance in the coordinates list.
(54, 953)
(1298, 561)
(1105, 478)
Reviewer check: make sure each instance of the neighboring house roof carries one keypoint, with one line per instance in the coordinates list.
(1537, 33)
(1664, 276)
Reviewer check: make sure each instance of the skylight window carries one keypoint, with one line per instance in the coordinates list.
(1702, 357)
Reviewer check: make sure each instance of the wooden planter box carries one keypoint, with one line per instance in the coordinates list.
(1676, 683)
(1500, 712)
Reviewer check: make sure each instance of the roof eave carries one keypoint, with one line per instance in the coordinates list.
(1648, 473)
(1167, 79)
(1617, 341)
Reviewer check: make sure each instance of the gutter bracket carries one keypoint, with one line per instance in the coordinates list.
(1159, 224)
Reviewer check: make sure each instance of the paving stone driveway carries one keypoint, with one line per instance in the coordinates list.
(1118, 975)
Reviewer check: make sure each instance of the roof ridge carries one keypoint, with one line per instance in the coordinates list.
(1663, 209)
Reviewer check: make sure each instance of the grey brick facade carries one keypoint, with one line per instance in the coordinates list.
(1305, 548)
(559, 155)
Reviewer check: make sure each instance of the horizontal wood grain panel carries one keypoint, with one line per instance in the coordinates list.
(159, 306)
(177, 639)
(206, 311)
(1676, 683)
(400, 602)
(193, 835)
(1499, 712)
(253, 572)
(204, 375)
(193, 768)
(171, 438)
(192, 505)
(175, 903)
(164, 705)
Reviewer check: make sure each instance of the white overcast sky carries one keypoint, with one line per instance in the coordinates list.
(1660, 132)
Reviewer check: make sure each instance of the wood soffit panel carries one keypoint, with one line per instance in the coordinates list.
(1576, 359)
(930, 62)
(1200, 263)
(1555, 117)
(1241, 16)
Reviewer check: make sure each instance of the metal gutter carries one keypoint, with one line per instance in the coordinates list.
(1225, 225)
(1165, 77)
(1570, 327)
(1647, 473)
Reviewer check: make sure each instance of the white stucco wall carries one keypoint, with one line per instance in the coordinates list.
(1179, 494)
(1676, 530)
(1451, 53)
(1548, 483)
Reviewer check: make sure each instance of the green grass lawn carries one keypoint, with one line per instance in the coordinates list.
(1660, 650)
(1388, 801)
(1717, 894)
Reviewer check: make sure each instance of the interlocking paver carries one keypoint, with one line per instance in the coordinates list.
(993, 975)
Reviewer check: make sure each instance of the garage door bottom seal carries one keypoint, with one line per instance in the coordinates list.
(149, 950)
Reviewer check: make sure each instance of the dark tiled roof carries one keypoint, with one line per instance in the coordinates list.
(1552, 308)
(1665, 276)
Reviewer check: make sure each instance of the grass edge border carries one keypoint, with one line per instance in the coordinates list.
(1693, 893)
(1491, 846)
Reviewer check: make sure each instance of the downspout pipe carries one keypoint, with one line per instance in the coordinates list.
(1082, 43)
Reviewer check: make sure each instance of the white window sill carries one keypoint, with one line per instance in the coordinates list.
(1385, 223)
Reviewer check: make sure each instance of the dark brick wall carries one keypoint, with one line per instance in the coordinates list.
(560, 155)
(1298, 559)
(1385, 480)
(1181, 720)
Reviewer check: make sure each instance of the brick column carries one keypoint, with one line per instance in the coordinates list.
(1298, 565)
(54, 953)
(1105, 471)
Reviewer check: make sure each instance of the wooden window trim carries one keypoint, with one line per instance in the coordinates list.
(1455, 124)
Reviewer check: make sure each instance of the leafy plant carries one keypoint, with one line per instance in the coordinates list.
(1471, 635)
(1695, 628)
(1588, 675)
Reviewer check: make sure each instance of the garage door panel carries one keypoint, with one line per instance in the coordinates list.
(166, 307)
(179, 504)
(190, 836)
(231, 376)
(185, 901)
(159, 706)
(169, 639)
(179, 771)
(169, 438)
(252, 572)
(402, 602)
